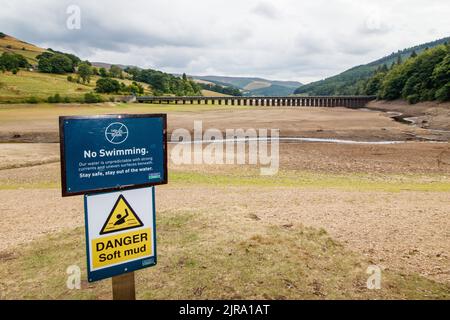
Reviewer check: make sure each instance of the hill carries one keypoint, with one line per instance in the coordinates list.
(351, 82)
(209, 93)
(252, 86)
(13, 45)
(33, 86)
(32, 74)
(424, 77)
(109, 65)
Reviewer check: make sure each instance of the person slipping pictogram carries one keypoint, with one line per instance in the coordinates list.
(120, 219)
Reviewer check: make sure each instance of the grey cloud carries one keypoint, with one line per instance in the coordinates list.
(303, 40)
(266, 10)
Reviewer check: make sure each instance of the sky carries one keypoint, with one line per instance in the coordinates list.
(275, 39)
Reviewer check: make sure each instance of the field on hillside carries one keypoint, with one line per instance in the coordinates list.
(209, 93)
(29, 51)
(224, 231)
(33, 84)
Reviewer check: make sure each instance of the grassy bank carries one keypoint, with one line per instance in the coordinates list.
(250, 177)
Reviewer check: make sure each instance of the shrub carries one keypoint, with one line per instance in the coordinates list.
(91, 97)
(67, 100)
(85, 72)
(57, 98)
(107, 85)
(443, 94)
(11, 61)
(32, 100)
(427, 94)
(413, 98)
(55, 63)
(103, 73)
(15, 71)
(54, 99)
(70, 78)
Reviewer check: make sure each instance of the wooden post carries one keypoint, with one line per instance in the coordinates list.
(123, 287)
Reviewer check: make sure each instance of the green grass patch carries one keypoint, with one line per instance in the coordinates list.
(300, 179)
(285, 178)
(26, 85)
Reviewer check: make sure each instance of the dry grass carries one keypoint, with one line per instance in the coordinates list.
(257, 85)
(209, 93)
(29, 51)
(204, 255)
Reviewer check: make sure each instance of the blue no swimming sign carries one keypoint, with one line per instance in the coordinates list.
(112, 152)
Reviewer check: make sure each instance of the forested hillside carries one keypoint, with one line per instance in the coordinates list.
(423, 77)
(353, 81)
(165, 83)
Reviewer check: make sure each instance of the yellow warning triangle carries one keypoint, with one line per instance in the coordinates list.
(121, 217)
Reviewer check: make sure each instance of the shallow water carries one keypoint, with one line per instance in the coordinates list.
(291, 140)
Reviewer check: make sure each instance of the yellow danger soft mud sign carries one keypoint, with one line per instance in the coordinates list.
(120, 230)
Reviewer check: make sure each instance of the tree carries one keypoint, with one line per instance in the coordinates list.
(107, 85)
(44, 65)
(135, 88)
(441, 73)
(425, 77)
(85, 72)
(413, 54)
(164, 83)
(115, 72)
(12, 61)
(185, 77)
(55, 63)
(73, 58)
(374, 84)
(443, 94)
(103, 73)
(61, 64)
